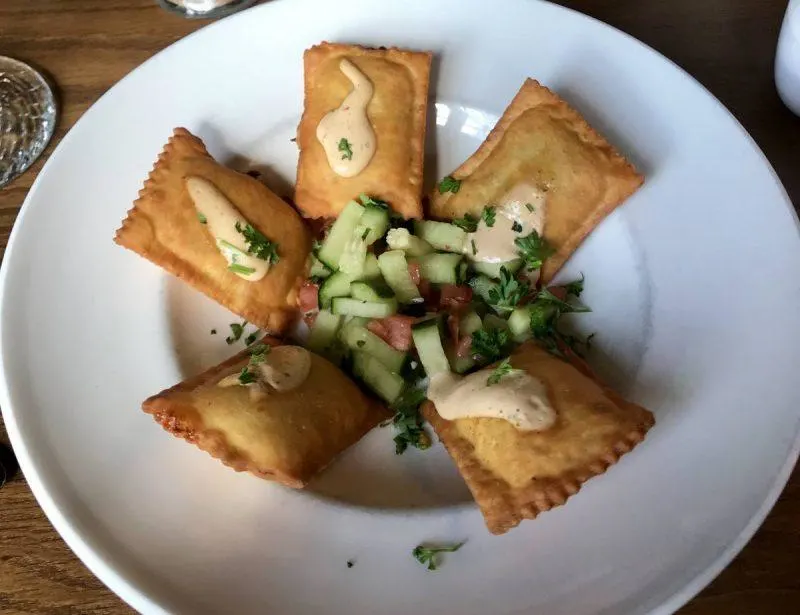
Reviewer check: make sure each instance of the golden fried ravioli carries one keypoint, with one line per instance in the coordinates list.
(540, 140)
(396, 113)
(514, 474)
(164, 227)
(286, 436)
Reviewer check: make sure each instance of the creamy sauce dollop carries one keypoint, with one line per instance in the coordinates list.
(221, 217)
(345, 133)
(284, 368)
(524, 205)
(518, 398)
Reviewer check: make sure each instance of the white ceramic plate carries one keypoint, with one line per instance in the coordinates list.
(695, 284)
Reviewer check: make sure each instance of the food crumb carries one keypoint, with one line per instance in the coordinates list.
(213, 331)
(350, 563)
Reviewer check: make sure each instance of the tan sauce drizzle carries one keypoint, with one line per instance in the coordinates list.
(495, 244)
(284, 368)
(221, 218)
(345, 133)
(518, 398)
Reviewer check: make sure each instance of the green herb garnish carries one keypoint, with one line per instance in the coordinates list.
(251, 338)
(508, 292)
(213, 331)
(258, 353)
(202, 218)
(368, 201)
(490, 344)
(246, 376)
(530, 207)
(474, 248)
(468, 223)
(346, 149)
(488, 216)
(449, 184)
(428, 555)
(258, 245)
(408, 421)
(365, 234)
(546, 311)
(516, 227)
(236, 332)
(236, 268)
(533, 249)
(503, 369)
(350, 563)
(575, 288)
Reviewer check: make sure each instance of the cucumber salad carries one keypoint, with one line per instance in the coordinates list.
(395, 302)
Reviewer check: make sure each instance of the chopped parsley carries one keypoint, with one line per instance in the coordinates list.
(251, 338)
(546, 311)
(468, 223)
(236, 332)
(508, 292)
(530, 207)
(503, 369)
(350, 563)
(428, 555)
(368, 201)
(575, 288)
(236, 268)
(258, 245)
(258, 354)
(213, 331)
(490, 344)
(488, 216)
(408, 421)
(365, 234)
(246, 376)
(474, 248)
(346, 149)
(533, 249)
(202, 218)
(516, 227)
(449, 184)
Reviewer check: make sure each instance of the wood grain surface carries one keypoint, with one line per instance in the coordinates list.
(88, 45)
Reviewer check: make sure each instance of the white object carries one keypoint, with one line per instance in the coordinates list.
(695, 286)
(787, 58)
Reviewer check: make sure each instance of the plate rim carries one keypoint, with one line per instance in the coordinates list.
(96, 557)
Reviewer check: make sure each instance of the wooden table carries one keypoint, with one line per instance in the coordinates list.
(88, 45)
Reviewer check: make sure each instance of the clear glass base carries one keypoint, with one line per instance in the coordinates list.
(28, 114)
(205, 9)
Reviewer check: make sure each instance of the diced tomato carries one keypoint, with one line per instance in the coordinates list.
(394, 330)
(452, 296)
(453, 326)
(464, 346)
(308, 296)
(559, 292)
(413, 271)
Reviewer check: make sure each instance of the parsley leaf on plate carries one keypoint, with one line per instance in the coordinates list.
(428, 555)
(368, 201)
(468, 223)
(202, 218)
(488, 216)
(408, 422)
(346, 149)
(236, 332)
(490, 344)
(504, 368)
(516, 227)
(236, 268)
(575, 288)
(509, 291)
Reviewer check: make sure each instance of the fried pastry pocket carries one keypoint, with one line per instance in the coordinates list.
(515, 475)
(396, 112)
(284, 436)
(540, 140)
(164, 227)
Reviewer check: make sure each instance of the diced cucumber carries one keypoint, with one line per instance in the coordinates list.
(337, 285)
(519, 323)
(375, 291)
(318, 268)
(490, 321)
(339, 234)
(386, 384)
(323, 331)
(394, 268)
(359, 338)
(354, 255)
(481, 285)
(401, 239)
(462, 272)
(439, 268)
(371, 269)
(441, 235)
(377, 221)
(470, 322)
(367, 309)
(428, 342)
(356, 321)
(493, 269)
(459, 364)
